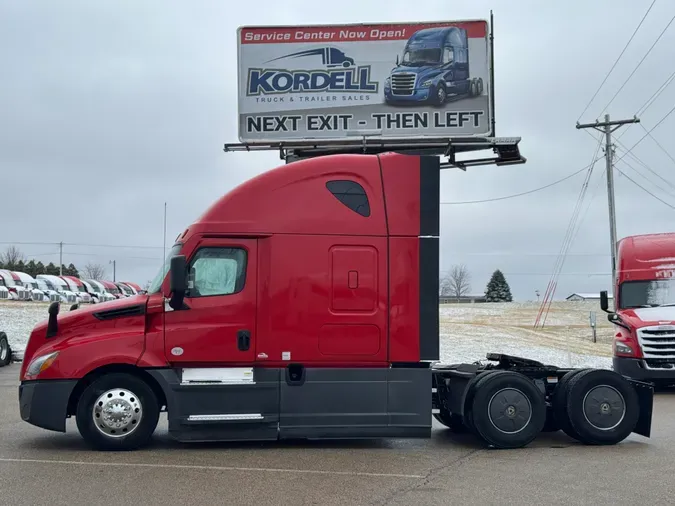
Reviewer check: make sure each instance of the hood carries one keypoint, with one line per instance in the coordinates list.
(89, 322)
(648, 316)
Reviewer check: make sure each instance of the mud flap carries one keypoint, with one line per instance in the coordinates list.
(645, 392)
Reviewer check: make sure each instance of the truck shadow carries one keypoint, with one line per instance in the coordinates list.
(441, 439)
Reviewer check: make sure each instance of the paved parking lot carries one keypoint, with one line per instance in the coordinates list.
(41, 467)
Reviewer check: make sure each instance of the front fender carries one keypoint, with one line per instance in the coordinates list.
(78, 356)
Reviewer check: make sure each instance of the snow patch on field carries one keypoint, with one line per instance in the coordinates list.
(468, 331)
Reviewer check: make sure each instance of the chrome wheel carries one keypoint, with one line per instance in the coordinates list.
(117, 412)
(440, 94)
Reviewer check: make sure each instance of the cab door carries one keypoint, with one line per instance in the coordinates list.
(217, 324)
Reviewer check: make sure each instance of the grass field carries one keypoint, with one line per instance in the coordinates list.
(468, 331)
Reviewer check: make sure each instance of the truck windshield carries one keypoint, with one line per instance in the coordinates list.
(652, 293)
(422, 57)
(157, 281)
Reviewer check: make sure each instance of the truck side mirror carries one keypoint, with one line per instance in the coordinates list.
(178, 281)
(604, 301)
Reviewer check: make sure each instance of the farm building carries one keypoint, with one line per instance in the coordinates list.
(576, 297)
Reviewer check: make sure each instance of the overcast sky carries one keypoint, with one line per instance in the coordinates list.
(109, 109)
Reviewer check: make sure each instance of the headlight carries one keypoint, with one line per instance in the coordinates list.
(41, 364)
(427, 83)
(387, 82)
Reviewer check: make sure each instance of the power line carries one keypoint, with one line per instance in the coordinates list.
(658, 144)
(639, 63)
(650, 101)
(522, 193)
(638, 160)
(655, 95)
(616, 61)
(642, 187)
(569, 235)
(645, 135)
(643, 176)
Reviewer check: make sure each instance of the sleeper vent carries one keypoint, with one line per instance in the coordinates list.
(123, 312)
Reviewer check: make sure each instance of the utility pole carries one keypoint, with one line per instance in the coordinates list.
(113, 264)
(606, 128)
(60, 259)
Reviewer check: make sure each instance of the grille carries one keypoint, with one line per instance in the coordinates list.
(54, 297)
(4, 294)
(658, 346)
(403, 84)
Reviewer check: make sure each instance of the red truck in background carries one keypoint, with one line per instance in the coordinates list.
(644, 295)
(305, 304)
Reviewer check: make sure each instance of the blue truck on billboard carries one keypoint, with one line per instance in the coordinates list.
(434, 69)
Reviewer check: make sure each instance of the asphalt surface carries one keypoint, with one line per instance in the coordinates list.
(42, 467)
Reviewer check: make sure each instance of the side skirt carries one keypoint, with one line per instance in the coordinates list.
(299, 403)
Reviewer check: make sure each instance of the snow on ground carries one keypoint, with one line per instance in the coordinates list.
(468, 331)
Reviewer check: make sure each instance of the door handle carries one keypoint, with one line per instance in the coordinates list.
(243, 340)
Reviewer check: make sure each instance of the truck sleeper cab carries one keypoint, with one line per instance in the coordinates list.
(434, 69)
(302, 304)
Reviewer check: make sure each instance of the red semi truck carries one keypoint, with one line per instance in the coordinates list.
(304, 304)
(644, 294)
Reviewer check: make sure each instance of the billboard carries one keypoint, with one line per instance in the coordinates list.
(422, 80)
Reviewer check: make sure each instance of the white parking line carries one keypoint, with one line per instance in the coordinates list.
(209, 468)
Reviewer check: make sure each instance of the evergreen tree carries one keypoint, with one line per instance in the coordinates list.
(31, 269)
(39, 269)
(20, 266)
(71, 270)
(497, 289)
(52, 269)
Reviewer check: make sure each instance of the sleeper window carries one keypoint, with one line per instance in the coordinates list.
(217, 271)
(351, 194)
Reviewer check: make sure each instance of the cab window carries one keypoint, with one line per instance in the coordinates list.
(217, 271)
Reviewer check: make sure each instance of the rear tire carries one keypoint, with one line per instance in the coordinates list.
(602, 407)
(508, 410)
(559, 404)
(118, 411)
(473, 385)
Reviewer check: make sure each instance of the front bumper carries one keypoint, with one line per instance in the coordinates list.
(635, 368)
(418, 95)
(44, 403)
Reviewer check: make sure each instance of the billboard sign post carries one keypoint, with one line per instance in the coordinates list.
(390, 81)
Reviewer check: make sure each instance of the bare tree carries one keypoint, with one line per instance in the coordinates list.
(444, 285)
(11, 257)
(459, 281)
(93, 271)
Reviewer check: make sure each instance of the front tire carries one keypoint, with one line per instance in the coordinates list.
(118, 411)
(5, 350)
(440, 95)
